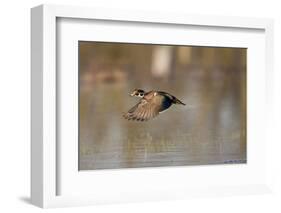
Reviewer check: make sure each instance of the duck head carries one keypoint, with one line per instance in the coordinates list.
(138, 93)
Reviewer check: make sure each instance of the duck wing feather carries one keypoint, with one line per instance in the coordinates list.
(144, 110)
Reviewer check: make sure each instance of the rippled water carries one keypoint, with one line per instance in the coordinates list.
(210, 129)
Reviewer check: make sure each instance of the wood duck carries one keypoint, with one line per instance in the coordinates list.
(150, 105)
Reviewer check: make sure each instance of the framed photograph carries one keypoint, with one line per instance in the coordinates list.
(133, 106)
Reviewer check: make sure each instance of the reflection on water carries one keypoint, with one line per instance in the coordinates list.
(211, 129)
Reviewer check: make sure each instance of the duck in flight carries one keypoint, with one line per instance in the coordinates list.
(150, 105)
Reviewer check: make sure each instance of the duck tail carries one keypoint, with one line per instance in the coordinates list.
(177, 101)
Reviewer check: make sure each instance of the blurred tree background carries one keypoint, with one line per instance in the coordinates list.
(210, 129)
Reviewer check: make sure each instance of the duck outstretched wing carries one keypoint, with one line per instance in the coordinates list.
(142, 111)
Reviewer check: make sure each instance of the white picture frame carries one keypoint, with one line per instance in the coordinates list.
(45, 168)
